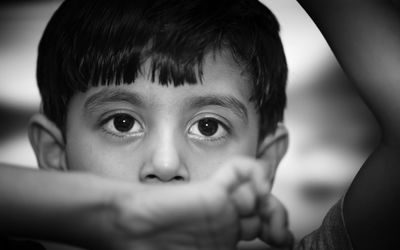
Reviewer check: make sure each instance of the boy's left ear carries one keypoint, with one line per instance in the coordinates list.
(48, 143)
(273, 147)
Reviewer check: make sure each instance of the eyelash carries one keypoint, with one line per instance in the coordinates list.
(204, 138)
(118, 134)
(210, 139)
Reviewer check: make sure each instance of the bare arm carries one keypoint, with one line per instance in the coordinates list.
(101, 213)
(365, 37)
(61, 207)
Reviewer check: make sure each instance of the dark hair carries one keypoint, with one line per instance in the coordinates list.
(100, 42)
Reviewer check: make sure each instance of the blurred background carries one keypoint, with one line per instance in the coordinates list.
(331, 130)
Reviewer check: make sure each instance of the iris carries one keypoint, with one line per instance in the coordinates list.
(208, 127)
(123, 122)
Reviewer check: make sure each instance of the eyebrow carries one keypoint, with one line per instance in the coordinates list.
(229, 102)
(104, 96)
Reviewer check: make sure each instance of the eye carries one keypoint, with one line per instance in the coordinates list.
(209, 129)
(123, 125)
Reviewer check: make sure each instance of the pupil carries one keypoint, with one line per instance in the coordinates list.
(208, 127)
(123, 123)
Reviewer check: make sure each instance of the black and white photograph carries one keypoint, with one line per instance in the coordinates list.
(199, 124)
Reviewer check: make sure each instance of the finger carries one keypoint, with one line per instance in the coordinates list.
(284, 240)
(274, 229)
(245, 200)
(250, 228)
(262, 183)
(268, 169)
(234, 172)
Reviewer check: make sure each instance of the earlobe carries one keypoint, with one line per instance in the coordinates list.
(273, 147)
(47, 142)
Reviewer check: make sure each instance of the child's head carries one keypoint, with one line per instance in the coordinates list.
(150, 82)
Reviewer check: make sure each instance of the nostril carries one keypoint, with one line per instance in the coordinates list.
(178, 178)
(156, 178)
(151, 177)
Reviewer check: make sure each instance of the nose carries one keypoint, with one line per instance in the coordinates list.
(164, 162)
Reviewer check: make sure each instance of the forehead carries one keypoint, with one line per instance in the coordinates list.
(220, 73)
(223, 78)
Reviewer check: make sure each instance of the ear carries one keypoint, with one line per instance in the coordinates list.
(47, 142)
(272, 148)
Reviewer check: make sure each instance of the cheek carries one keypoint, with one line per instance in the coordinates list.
(202, 164)
(90, 155)
(87, 151)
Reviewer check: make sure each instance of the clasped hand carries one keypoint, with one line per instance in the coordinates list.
(234, 204)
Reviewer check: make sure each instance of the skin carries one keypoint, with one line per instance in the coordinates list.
(370, 212)
(144, 133)
(104, 213)
(365, 37)
(165, 143)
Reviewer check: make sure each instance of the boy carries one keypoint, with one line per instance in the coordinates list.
(218, 128)
(168, 92)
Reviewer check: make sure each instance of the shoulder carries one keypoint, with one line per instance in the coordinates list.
(331, 235)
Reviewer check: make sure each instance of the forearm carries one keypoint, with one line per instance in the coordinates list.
(364, 35)
(77, 209)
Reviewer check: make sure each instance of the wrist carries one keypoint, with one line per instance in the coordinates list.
(87, 208)
(121, 218)
(102, 216)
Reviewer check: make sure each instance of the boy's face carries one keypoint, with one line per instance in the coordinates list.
(146, 132)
